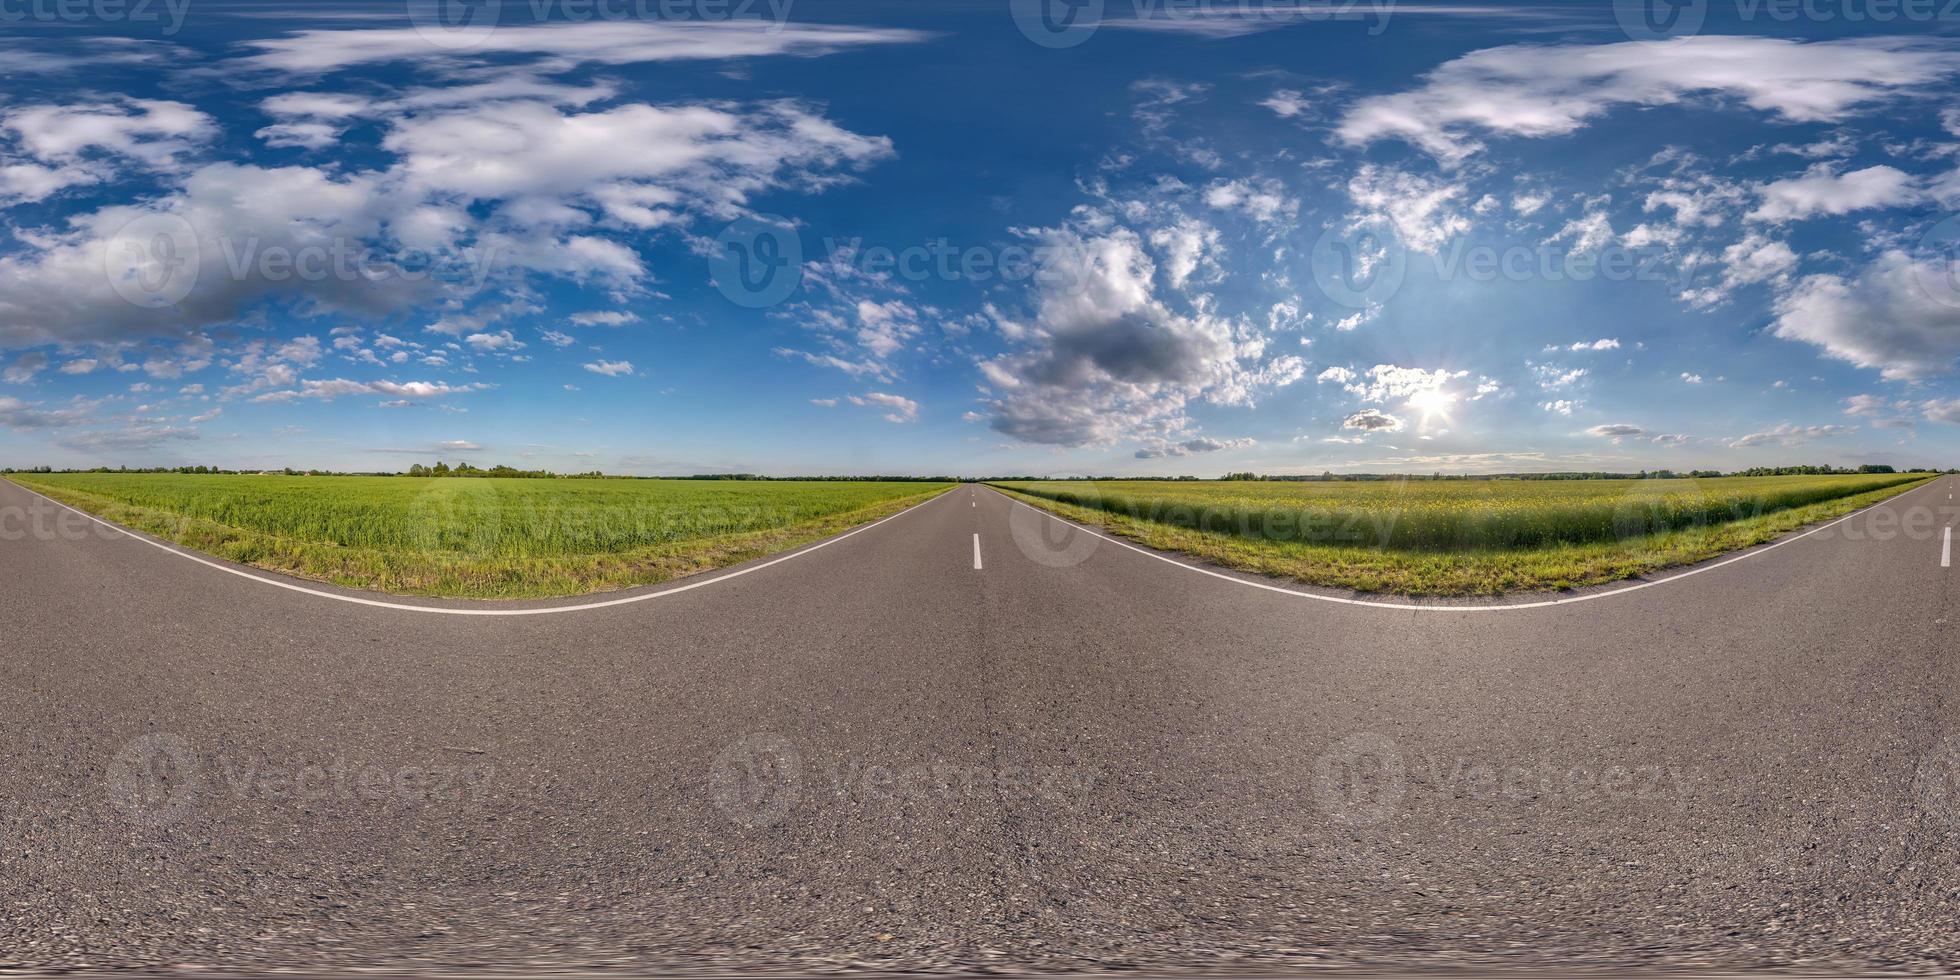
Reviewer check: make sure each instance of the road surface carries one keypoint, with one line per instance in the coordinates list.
(970, 737)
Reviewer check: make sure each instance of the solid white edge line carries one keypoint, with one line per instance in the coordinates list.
(1495, 607)
(976, 551)
(441, 611)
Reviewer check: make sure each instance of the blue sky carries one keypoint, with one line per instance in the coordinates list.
(872, 235)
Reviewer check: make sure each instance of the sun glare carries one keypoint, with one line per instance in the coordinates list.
(1432, 404)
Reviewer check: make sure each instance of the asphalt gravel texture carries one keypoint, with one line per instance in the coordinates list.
(1076, 757)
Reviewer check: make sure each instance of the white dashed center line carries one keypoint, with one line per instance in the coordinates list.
(976, 550)
(1946, 550)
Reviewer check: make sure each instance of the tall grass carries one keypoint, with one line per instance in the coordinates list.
(1450, 516)
(479, 537)
(483, 517)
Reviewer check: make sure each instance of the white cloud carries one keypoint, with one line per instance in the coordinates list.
(611, 369)
(607, 318)
(501, 340)
(152, 131)
(328, 390)
(1287, 103)
(565, 46)
(1616, 429)
(24, 368)
(1372, 420)
(561, 182)
(1560, 407)
(1790, 435)
(1193, 447)
(1539, 90)
(1185, 246)
(900, 408)
(1262, 200)
(1422, 210)
(1104, 358)
(1552, 377)
(1822, 191)
(1886, 317)
(1386, 382)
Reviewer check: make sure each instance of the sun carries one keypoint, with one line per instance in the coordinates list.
(1433, 404)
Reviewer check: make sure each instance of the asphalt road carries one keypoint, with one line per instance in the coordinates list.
(969, 737)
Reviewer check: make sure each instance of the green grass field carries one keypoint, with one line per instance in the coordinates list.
(480, 538)
(1460, 537)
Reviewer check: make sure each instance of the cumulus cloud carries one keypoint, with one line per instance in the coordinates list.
(1603, 343)
(1822, 191)
(1886, 317)
(611, 369)
(330, 389)
(1616, 430)
(1790, 435)
(24, 368)
(555, 175)
(1104, 358)
(604, 318)
(1423, 211)
(17, 414)
(1389, 381)
(900, 409)
(1372, 420)
(1263, 200)
(1193, 447)
(1540, 90)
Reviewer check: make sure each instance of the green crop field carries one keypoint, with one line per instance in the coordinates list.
(477, 537)
(1460, 537)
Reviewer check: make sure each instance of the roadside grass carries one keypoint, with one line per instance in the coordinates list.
(1469, 571)
(479, 538)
